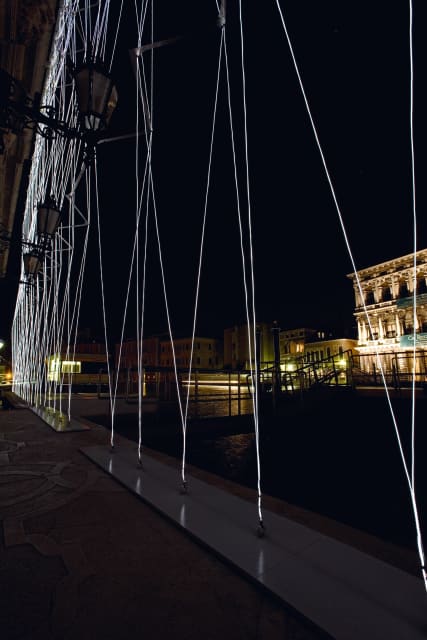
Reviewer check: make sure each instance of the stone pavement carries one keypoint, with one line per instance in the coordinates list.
(82, 557)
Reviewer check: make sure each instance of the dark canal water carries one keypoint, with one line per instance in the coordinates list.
(334, 454)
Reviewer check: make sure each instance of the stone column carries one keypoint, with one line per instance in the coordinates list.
(357, 296)
(394, 286)
(377, 291)
(380, 329)
(398, 326)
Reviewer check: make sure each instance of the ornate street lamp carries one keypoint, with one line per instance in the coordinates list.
(48, 219)
(32, 263)
(96, 101)
(96, 96)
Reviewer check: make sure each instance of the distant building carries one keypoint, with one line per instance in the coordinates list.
(90, 347)
(157, 352)
(328, 347)
(387, 292)
(292, 342)
(129, 353)
(207, 353)
(82, 369)
(236, 345)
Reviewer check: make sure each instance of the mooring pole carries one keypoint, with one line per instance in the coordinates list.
(276, 386)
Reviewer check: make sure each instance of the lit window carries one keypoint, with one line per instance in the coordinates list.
(69, 366)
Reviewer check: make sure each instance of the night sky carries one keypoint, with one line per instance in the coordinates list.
(354, 63)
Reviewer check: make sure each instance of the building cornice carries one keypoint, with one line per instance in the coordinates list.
(390, 266)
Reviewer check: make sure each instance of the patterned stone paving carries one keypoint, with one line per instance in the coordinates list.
(80, 557)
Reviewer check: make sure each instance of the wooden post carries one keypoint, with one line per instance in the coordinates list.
(196, 394)
(238, 395)
(229, 395)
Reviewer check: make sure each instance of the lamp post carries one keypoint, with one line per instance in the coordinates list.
(96, 96)
(32, 263)
(48, 219)
(96, 100)
(276, 386)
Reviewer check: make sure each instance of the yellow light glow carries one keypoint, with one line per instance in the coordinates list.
(54, 364)
(71, 366)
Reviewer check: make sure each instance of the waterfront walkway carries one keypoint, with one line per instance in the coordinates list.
(83, 556)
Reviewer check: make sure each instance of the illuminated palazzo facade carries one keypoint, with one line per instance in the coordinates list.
(387, 291)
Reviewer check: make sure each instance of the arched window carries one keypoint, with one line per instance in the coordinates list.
(370, 299)
(403, 290)
(421, 286)
(386, 294)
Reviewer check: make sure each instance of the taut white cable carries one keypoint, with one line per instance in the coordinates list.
(184, 430)
(420, 545)
(110, 398)
(402, 455)
(256, 417)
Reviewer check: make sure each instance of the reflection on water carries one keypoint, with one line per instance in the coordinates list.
(208, 395)
(234, 449)
(208, 407)
(216, 401)
(229, 456)
(336, 456)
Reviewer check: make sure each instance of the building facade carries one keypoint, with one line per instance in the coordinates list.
(387, 319)
(207, 353)
(81, 370)
(292, 342)
(128, 353)
(236, 345)
(329, 348)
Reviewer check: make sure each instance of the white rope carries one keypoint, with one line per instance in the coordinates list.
(253, 363)
(141, 19)
(138, 335)
(116, 34)
(396, 430)
(135, 250)
(143, 93)
(414, 215)
(420, 545)
(240, 224)
(101, 275)
(165, 298)
(144, 277)
(140, 89)
(199, 269)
